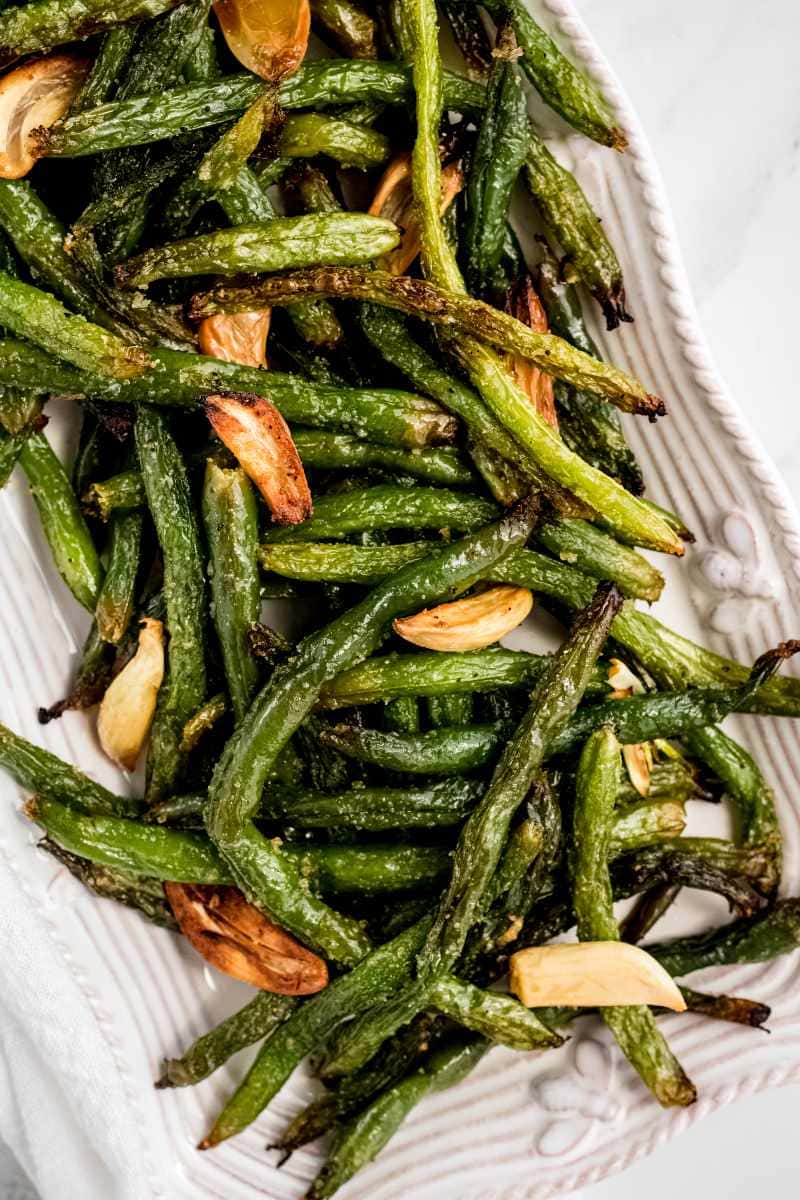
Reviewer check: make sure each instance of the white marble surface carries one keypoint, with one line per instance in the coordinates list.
(717, 88)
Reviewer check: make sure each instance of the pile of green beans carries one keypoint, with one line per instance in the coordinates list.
(413, 816)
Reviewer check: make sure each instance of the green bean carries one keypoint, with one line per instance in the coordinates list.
(184, 688)
(115, 46)
(350, 27)
(599, 555)
(453, 709)
(308, 134)
(436, 673)
(500, 1018)
(39, 771)
(258, 1019)
(113, 841)
(368, 1133)
(63, 525)
(438, 752)
(179, 379)
(389, 1065)
(115, 603)
(590, 428)
(470, 36)
(648, 909)
(387, 506)
(571, 219)
(200, 722)
(10, 449)
(499, 153)
(480, 845)
(754, 940)
(459, 313)
(375, 977)
(39, 240)
(230, 516)
(737, 873)
(331, 451)
(284, 242)
(222, 163)
(560, 84)
(368, 870)
(144, 119)
(43, 24)
(399, 716)
(376, 808)
(753, 798)
(649, 821)
(281, 706)
(39, 317)
(134, 891)
(119, 493)
(328, 770)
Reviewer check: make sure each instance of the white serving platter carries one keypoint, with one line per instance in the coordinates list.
(522, 1125)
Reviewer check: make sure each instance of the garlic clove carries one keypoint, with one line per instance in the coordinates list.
(592, 975)
(468, 624)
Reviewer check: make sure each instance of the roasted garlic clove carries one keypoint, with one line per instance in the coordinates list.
(239, 940)
(394, 200)
(236, 337)
(468, 624)
(269, 38)
(34, 96)
(525, 305)
(591, 975)
(259, 438)
(127, 708)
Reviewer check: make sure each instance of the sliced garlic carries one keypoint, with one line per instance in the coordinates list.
(127, 708)
(525, 305)
(622, 679)
(236, 337)
(394, 199)
(592, 975)
(269, 37)
(239, 940)
(468, 624)
(259, 438)
(33, 97)
(637, 759)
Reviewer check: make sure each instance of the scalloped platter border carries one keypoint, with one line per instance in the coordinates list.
(522, 1125)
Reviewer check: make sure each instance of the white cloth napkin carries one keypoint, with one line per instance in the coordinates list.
(63, 1107)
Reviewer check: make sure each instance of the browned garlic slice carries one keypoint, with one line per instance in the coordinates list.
(239, 940)
(236, 337)
(394, 199)
(127, 708)
(259, 438)
(468, 624)
(592, 975)
(34, 96)
(269, 37)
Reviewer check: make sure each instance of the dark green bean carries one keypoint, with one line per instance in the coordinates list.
(179, 379)
(43, 24)
(39, 771)
(387, 506)
(238, 780)
(134, 891)
(648, 909)
(231, 523)
(453, 709)
(497, 159)
(376, 808)
(560, 84)
(63, 525)
(308, 134)
(399, 716)
(633, 1026)
(368, 1133)
(146, 119)
(274, 246)
(374, 978)
(259, 1018)
(332, 451)
(480, 845)
(184, 687)
(597, 554)
(101, 81)
(438, 752)
(120, 492)
(756, 940)
(351, 28)
(470, 37)
(116, 601)
(339, 870)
